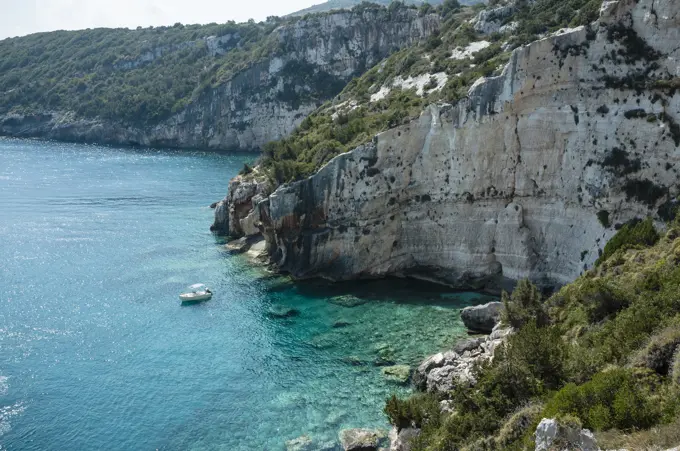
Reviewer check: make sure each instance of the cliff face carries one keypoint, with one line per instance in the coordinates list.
(317, 57)
(524, 178)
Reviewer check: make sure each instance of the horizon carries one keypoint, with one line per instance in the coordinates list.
(25, 19)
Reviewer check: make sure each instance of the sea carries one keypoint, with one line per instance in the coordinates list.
(97, 352)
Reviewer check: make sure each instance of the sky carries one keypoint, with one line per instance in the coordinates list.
(22, 17)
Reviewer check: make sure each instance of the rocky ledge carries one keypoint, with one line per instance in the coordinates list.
(526, 178)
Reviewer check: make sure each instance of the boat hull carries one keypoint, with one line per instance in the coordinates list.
(192, 297)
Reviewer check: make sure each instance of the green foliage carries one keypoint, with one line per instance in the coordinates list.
(542, 351)
(597, 299)
(625, 312)
(631, 235)
(322, 135)
(550, 15)
(603, 217)
(612, 399)
(523, 306)
(519, 425)
(416, 411)
(246, 169)
(140, 76)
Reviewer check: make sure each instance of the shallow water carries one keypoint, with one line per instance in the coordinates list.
(97, 353)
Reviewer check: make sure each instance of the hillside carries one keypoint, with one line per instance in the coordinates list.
(229, 86)
(331, 5)
(348, 4)
(602, 353)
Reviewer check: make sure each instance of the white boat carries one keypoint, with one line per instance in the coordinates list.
(196, 293)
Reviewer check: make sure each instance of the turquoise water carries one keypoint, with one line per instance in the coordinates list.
(97, 353)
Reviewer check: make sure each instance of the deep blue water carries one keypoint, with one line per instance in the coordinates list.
(97, 353)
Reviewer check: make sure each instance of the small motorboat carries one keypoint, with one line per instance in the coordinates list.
(196, 293)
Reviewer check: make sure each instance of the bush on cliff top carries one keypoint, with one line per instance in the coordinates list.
(623, 312)
(631, 235)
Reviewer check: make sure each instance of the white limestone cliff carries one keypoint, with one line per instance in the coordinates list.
(520, 179)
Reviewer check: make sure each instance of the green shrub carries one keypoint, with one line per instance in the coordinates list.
(602, 299)
(542, 351)
(416, 411)
(246, 169)
(518, 424)
(613, 399)
(524, 305)
(603, 217)
(630, 236)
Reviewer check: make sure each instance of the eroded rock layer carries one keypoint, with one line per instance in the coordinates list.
(526, 177)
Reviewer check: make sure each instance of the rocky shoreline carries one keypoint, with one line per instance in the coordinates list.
(437, 373)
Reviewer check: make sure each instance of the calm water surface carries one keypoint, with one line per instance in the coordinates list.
(97, 353)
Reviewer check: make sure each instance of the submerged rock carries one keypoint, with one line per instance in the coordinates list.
(397, 373)
(340, 324)
(306, 443)
(482, 318)
(552, 435)
(280, 311)
(302, 443)
(347, 301)
(362, 439)
(238, 246)
(354, 361)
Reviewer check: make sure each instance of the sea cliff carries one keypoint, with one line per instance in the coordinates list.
(527, 177)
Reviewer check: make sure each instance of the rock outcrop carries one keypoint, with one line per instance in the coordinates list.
(236, 214)
(482, 318)
(362, 439)
(318, 55)
(525, 178)
(553, 435)
(492, 20)
(442, 372)
(400, 439)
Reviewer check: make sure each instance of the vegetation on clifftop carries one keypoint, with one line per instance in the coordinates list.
(141, 75)
(603, 352)
(388, 95)
(144, 76)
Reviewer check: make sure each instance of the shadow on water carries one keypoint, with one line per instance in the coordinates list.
(396, 290)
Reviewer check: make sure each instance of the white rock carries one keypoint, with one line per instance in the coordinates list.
(551, 435)
(471, 49)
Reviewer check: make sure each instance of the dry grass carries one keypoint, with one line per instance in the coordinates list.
(660, 350)
(656, 439)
